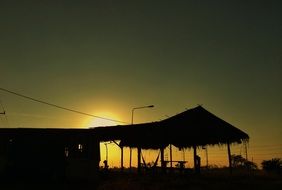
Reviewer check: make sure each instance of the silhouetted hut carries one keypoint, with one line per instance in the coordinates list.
(198, 127)
(189, 129)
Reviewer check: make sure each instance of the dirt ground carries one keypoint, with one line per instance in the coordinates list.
(111, 180)
(211, 181)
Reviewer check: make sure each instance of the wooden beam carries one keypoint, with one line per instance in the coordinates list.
(116, 143)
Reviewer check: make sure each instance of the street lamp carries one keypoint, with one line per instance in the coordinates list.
(133, 109)
(132, 116)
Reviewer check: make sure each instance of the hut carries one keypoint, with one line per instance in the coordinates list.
(189, 129)
(198, 127)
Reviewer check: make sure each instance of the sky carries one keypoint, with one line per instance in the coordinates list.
(105, 57)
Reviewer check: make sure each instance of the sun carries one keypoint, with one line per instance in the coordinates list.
(105, 120)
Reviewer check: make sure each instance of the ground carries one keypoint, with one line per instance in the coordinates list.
(212, 180)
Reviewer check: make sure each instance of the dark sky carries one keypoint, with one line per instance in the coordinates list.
(109, 56)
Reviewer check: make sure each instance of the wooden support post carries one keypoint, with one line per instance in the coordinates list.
(195, 157)
(139, 159)
(121, 159)
(229, 157)
(162, 159)
(130, 157)
(170, 150)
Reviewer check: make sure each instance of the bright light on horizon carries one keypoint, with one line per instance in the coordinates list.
(100, 122)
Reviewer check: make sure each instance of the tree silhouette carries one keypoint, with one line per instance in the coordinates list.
(238, 161)
(275, 164)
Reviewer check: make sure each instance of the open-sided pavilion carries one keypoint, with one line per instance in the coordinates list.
(192, 128)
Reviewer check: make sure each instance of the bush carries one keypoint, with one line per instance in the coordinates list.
(239, 162)
(275, 164)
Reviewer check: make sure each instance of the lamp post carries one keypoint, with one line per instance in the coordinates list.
(132, 116)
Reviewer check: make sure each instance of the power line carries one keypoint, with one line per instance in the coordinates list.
(60, 107)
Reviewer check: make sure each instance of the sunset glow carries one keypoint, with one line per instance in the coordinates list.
(98, 122)
(103, 58)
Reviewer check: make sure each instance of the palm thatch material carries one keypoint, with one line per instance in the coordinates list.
(193, 127)
(138, 135)
(199, 127)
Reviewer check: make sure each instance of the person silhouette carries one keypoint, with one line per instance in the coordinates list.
(106, 166)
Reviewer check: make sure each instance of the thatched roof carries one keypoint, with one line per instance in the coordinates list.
(136, 135)
(52, 134)
(195, 126)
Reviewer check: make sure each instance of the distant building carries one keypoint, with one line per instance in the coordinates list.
(49, 153)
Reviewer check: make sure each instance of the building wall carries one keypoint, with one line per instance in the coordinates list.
(47, 155)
